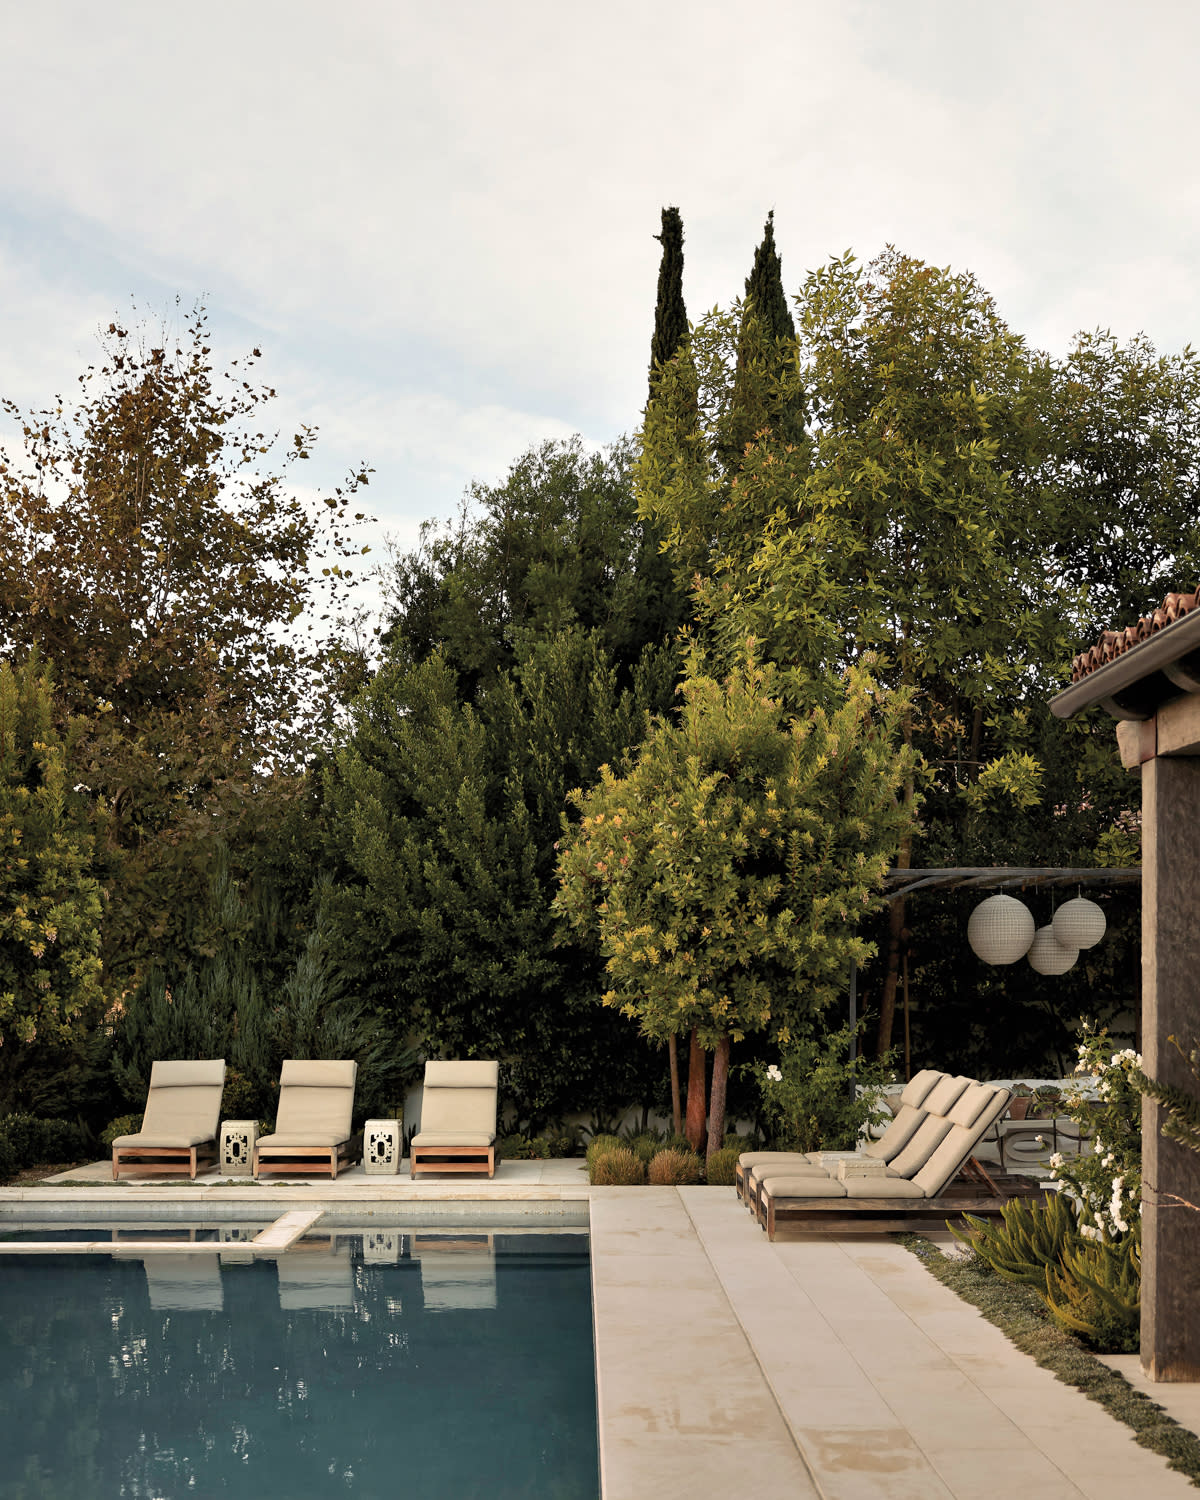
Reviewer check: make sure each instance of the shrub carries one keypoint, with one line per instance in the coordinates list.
(1096, 1292)
(122, 1125)
(616, 1167)
(721, 1167)
(816, 1098)
(599, 1143)
(645, 1146)
(522, 1148)
(563, 1140)
(26, 1141)
(670, 1167)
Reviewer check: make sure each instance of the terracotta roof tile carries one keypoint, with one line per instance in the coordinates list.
(1114, 643)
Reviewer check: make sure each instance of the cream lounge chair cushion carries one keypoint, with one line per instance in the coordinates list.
(454, 1138)
(459, 1100)
(820, 1185)
(913, 1110)
(750, 1159)
(183, 1105)
(316, 1103)
(932, 1130)
(970, 1119)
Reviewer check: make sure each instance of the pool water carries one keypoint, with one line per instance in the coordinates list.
(440, 1364)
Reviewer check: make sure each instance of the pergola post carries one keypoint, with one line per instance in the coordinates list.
(1170, 1008)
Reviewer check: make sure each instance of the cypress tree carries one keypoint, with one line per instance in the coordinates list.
(764, 288)
(670, 313)
(766, 341)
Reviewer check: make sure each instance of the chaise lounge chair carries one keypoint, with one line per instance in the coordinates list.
(458, 1119)
(900, 1131)
(179, 1127)
(312, 1125)
(911, 1187)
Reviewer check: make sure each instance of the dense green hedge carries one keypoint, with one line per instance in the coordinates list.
(26, 1141)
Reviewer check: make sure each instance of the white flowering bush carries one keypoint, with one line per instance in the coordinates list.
(1105, 1187)
(815, 1098)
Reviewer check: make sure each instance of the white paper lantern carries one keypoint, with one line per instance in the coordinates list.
(1079, 923)
(1000, 930)
(1047, 955)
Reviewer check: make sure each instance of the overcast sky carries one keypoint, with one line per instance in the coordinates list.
(437, 221)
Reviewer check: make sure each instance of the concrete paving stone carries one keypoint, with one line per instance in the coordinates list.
(881, 1347)
(703, 1468)
(851, 1405)
(983, 1474)
(633, 1261)
(1003, 1367)
(946, 1412)
(862, 1463)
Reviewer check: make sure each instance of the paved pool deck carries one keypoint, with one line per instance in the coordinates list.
(828, 1365)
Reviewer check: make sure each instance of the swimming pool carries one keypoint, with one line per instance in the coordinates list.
(428, 1363)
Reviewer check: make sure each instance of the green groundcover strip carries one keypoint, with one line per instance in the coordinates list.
(1020, 1314)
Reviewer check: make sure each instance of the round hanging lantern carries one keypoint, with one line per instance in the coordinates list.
(1000, 930)
(1079, 923)
(1047, 955)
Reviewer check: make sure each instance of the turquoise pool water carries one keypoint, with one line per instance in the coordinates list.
(442, 1366)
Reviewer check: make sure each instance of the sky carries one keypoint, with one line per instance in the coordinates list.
(437, 222)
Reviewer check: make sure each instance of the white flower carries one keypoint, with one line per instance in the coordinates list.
(1056, 1161)
(774, 1074)
(1089, 1232)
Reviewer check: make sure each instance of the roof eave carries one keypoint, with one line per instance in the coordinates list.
(1135, 684)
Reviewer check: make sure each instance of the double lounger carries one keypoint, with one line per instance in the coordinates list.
(903, 1175)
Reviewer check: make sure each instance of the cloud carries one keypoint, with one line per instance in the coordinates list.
(438, 222)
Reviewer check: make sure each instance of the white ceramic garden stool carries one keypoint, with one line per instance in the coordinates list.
(383, 1146)
(237, 1144)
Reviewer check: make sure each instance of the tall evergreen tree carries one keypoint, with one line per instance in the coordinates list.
(766, 341)
(670, 313)
(764, 288)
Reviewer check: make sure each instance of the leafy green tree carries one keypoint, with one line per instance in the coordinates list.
(552, 547)
(443, 819)
(50, 902)
(171, 584)
(728, 871)
(1122, 465)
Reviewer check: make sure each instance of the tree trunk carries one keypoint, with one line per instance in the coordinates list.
(696, 1094)
(676, 1105)
(716, 1103)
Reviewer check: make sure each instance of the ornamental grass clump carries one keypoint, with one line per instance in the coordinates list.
(645, 1146)
(616, 1167)
(673, 1167)
(721, 1168)
(599, 1143)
